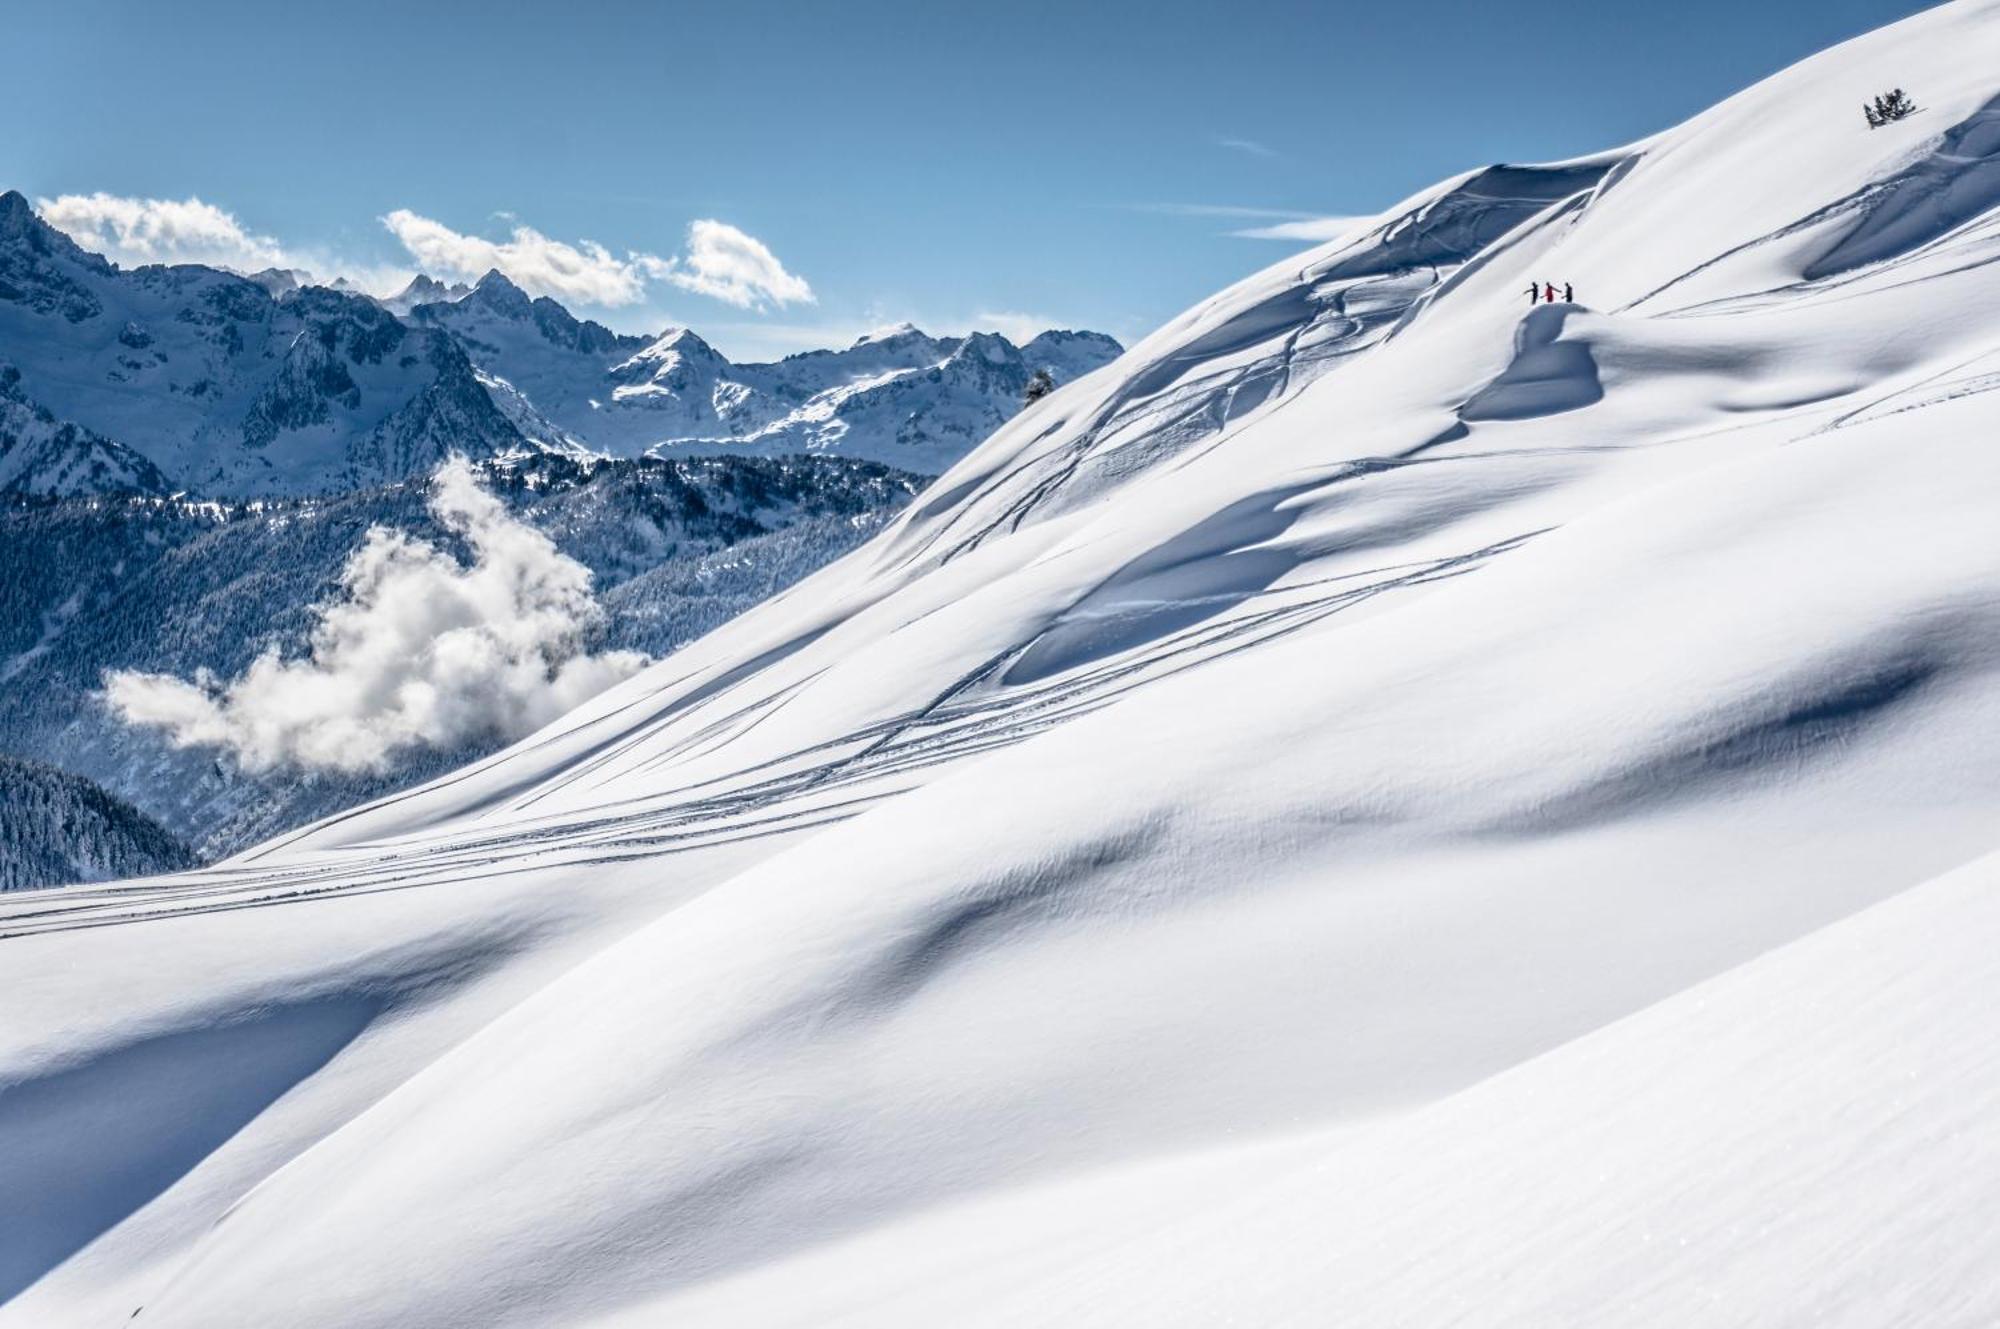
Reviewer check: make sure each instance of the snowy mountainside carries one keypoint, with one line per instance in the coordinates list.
(902, 397)
(40, 454)
(226, 388)
(175, 587)
(1333, 810)
(57, 828)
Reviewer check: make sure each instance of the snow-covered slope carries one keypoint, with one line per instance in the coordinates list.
(902, 398)
(1157, 878)
(1731, 1157)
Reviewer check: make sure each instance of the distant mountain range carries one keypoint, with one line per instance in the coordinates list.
(901, 397)
(192, 379)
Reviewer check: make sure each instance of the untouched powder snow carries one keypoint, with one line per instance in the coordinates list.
(1381, 806)
(1732, 1156)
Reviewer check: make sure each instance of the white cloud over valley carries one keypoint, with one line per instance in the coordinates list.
(415, 650)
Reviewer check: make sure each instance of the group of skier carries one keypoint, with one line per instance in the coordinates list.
(1538, 294)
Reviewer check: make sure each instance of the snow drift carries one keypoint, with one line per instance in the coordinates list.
(1214, 855)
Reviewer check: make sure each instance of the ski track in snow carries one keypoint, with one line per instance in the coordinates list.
(789, 796)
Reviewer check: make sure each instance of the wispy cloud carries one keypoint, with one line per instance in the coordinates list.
(1248, 146)
(1272, 223)
(1308, 228)
(1230, 211)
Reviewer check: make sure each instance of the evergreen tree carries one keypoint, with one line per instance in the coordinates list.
(1892, 105)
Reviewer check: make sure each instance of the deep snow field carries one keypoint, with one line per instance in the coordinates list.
(1379, 807)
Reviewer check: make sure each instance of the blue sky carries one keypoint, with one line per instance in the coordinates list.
(859, 162)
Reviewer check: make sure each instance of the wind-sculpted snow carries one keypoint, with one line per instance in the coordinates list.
(1547, 375)
(1212, 855)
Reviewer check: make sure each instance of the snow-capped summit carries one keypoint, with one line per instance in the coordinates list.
(1070, 354)
(894, 332)
(425, 290)
(281, 282)
(494, 292)
(1212, 859)
(677, 351)
(18, 217)
(43, 270)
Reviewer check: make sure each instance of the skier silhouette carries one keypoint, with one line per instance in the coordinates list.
(1534, 293)
(1568, 298)
(1552, 292)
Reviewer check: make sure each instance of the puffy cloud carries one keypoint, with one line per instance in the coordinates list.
(730, 265)
(133, 231)
(415, 650)
(584, 272)
(1309, 228)
(160, 230)
(721, 262)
